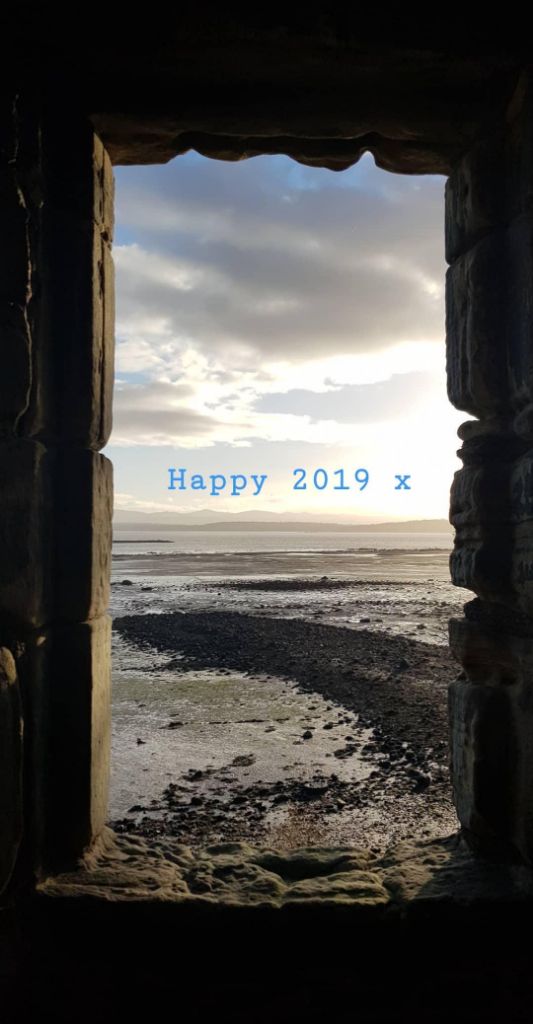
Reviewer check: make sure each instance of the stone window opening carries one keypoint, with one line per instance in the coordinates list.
(139, 806)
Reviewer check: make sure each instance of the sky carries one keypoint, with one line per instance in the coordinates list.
(271, 318)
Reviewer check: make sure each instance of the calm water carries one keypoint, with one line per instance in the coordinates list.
(204, 542)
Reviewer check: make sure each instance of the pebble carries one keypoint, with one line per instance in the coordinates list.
(243, 760)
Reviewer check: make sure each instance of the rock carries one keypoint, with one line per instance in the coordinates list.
(307, 735)
(421, 779)
(309, 791)
(243, 760)
(194, 775)
(11, 739)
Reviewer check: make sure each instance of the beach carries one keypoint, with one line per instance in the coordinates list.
(283, 691)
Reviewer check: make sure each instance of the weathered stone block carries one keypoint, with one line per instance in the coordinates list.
(488, 653)
(64, 673)
(522, 562)
(15, 280)
(522, 802)
(11, 766)
(482, 558)
(15, 378)
(521, 488)
(83, 530)
(14, 241)
(484, 761)
(475, 331)
(31, 650)
(73, 361)
(26, 532)
(493, 182)
(474, 196)
(518, 335)
(491, 731)
(72, 313)
(102, 368)
(517, 184)
(523, 423)
(55, 533)
(479, 495)
(103, 189)
(483, 563)
(87, 194)
(78, 687)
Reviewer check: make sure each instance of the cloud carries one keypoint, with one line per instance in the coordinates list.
(266, 307)
(154, 413)
(256, 262)
(356, 403)
(158, 413)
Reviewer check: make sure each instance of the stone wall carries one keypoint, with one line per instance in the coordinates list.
(56, 327)
(489, 245)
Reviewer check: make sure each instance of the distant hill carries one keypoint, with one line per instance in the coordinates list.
(204, 520)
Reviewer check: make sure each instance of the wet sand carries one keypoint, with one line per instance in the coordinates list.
(401, 592)
(400, 564)
(362, 756)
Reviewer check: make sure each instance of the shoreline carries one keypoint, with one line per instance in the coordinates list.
(392, 688)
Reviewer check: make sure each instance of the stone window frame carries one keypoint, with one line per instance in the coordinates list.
(55, 517)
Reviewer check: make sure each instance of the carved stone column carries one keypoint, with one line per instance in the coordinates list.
(56, 378)
(489, 241)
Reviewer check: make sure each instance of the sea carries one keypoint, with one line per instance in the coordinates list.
(401, 581)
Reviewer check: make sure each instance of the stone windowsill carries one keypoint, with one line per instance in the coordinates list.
(416, 873)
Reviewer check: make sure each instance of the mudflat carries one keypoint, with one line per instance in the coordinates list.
(381, 704)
